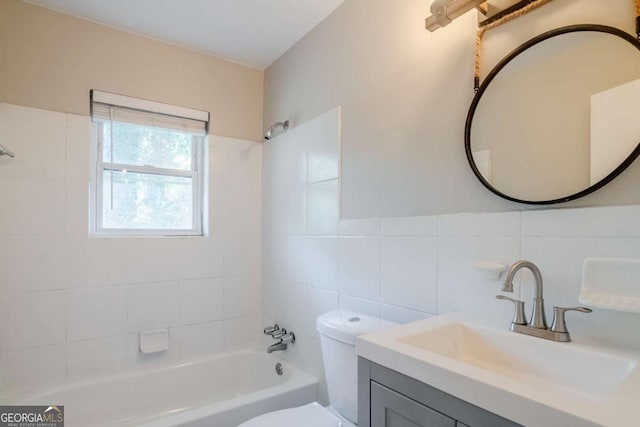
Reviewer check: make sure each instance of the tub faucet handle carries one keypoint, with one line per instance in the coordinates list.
(276, 335)
(288, 338)
(270, 330)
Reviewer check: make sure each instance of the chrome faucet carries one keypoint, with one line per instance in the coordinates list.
(282, 335)
(538, 326)
(538, 319)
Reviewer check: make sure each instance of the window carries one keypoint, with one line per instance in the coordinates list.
(149, 168)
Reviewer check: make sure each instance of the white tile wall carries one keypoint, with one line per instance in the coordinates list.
(295, 209)
(39, 315)
(242, 296)
(151, 260)
(359, 260)
(360, 227)
(19, 255)
(411, 226)
(202, 300)
(201, 339)
(22, 201)
(86, 262)
(460, 287)
(95, 357)
(241, 254)
(71, 306)
(240, 213)
(294, 298)
(404, 269)
(103, 311)
(401, 315)
(202, 258)
(295, 259)
(322, 262)
(596, 222)
(318, 301)
(240, 331)
(153, 306)
(34, 367)
(359, 305)
(323, 208)
(135, 359)
(410, 272)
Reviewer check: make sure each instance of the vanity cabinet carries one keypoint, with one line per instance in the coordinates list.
(391, 409)
(387, 398)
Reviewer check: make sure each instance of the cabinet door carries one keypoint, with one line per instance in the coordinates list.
(391, 409)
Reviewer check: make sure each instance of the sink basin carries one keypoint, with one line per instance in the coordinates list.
(528, 380)
(525, 359)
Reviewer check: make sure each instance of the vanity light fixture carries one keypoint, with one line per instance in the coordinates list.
(495, 13)
(445, 11)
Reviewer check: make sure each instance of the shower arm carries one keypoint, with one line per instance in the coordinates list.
(268, 134)
(4, 151)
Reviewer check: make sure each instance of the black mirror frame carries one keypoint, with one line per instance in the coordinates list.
(503, 63)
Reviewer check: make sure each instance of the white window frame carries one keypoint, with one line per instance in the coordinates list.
(196, 173)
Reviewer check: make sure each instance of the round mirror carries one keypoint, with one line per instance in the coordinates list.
(559, 117)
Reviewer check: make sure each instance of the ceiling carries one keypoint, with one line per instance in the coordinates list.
(251, 32)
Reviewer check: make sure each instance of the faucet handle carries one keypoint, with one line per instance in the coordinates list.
(559, 324)
(518, 316)
(270, 330)
(276, 335)
(289, 338)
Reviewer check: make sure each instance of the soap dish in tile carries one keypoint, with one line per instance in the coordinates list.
(611, 283)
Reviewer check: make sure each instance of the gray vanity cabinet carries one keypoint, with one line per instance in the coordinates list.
(391, 409)
(387, 398)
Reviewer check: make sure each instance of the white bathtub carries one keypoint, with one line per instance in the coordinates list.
(223, 390)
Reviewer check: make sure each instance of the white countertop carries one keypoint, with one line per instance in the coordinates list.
(534, 402)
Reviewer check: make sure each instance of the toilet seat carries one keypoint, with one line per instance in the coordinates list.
(311, 415)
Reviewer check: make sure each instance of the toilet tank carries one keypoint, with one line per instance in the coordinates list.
(338, 331)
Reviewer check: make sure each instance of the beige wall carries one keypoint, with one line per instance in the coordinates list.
(405, 93)
(49, 60)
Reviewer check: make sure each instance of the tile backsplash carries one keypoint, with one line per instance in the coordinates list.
(71, 307)
(404, 269)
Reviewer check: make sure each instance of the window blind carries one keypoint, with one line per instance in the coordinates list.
(112, 107)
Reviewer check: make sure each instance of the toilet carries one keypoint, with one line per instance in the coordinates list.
(338, 331)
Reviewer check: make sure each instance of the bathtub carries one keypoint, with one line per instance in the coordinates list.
(219, 391)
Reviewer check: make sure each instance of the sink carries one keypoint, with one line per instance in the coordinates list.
(525, 359)
(528, 380)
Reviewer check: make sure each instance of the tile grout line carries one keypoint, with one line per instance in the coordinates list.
(521, 254)
(381, 270)
(66, 228)
(438, 265)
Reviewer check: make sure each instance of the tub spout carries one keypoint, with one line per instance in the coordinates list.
(285, 338)
(279, 346)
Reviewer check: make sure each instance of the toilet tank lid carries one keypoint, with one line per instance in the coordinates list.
(345, 326)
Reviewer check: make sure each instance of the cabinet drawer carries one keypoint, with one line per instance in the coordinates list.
(443, 404)
(391, 409)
